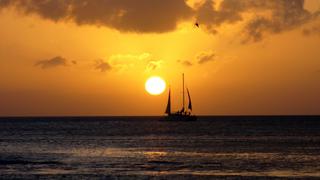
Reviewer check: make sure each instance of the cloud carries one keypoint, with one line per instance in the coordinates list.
(315, 29)
(153, 65)
(102, 66)
(201, 58)
(145, 16)
(261, 17)
(212, 18)
(185, 63)
(123, 62)
(205, 57)
(53, 62)
(286, 15)
(128, 58)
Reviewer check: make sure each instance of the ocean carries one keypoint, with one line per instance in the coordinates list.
(216, 147)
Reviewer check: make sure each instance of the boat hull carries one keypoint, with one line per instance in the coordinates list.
(179, 118)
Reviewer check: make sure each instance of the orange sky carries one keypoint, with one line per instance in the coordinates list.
(92, 57)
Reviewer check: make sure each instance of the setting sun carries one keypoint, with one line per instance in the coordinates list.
(155, 85)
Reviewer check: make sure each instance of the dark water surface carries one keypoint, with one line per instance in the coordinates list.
(143, 147)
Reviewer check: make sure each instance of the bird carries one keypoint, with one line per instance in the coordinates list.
(197, 24)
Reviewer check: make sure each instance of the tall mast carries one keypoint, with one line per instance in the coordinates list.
(183, 91)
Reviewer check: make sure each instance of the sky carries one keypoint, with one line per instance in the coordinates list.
(93, 57)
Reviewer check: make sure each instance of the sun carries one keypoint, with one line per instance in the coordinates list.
(155, 85)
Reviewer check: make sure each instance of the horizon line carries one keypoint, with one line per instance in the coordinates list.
(204, 115)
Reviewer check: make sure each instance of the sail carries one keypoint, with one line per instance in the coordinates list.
(168, 109)
(182, 110)
(190, 104)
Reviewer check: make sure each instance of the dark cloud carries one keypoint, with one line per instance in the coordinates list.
(228, 12)
(124, 15)
(260, 17)
(286, 15)
(102, 65)
(205, 57)
(50, 63)
(270, 16)
(4, 3)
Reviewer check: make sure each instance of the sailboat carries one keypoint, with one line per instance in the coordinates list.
(185, 114)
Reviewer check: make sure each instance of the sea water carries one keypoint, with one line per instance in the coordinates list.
(144, 147)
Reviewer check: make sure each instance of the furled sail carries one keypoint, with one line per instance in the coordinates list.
(168, 109)
(190, 104)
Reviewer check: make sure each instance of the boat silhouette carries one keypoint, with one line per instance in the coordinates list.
(185, 114)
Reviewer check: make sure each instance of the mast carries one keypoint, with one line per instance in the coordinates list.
(183, 92)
